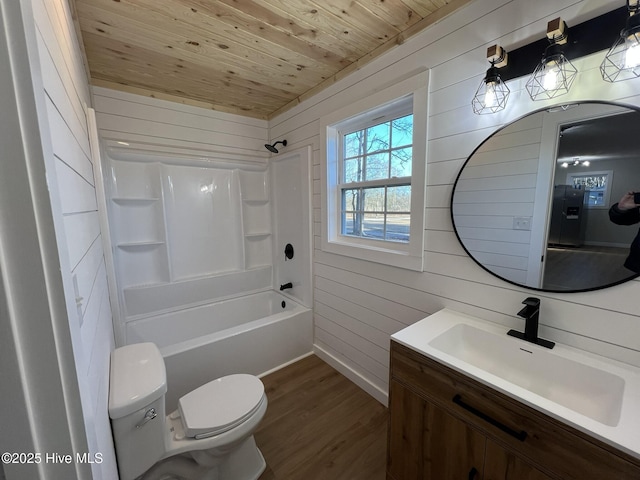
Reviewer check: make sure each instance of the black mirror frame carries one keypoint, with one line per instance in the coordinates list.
(455, 230)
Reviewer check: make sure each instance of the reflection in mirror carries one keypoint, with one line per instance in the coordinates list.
(531, 204)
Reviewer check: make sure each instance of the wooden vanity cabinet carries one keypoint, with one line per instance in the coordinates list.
(426, 442)
(446, 426)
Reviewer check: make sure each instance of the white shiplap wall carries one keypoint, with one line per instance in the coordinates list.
(158, 125)
(358, 303)
(67, 95)
(499, 185)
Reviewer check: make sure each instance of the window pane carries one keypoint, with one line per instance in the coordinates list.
(374, 199)
(353, 144)
(351, 199)
(595, 198)
(399, 199)
(351, 220)
(353, 170)
(373, 226)
(377, 166)
(352, 224)
(401, 161)
(378, 138)
(590, 181)
(402, 131)
(398, 227)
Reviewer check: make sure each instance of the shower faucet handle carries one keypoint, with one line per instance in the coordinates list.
(148, 416)
(288, 252)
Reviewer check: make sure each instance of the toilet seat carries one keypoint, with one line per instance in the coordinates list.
(220, 405)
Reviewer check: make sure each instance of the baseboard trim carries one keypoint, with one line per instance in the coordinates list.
(373, 390)
(285, 364)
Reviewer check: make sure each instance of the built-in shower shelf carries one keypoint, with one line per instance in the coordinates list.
(146, 285)
(139, 245)
(134, 200)
(257, 234)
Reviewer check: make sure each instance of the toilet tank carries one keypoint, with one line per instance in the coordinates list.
(137, 384)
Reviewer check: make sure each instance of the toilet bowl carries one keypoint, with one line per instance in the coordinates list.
(209, 436)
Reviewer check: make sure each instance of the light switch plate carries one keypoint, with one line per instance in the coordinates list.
(522, 223)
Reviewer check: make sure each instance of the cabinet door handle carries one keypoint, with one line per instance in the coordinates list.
(521, 435)
(472, 473)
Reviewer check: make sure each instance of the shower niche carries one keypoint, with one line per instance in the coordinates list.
(184, 233)
(141, 247)
(256, 217)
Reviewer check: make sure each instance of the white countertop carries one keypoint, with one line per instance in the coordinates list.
(624, 436)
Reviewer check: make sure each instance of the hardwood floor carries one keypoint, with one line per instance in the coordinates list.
(320, 426)
(585, 267)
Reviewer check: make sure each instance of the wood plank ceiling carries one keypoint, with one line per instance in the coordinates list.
(256, 58)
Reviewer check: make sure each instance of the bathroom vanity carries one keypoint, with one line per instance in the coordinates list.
(466, 403)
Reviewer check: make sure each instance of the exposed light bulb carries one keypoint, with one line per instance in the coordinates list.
(586, 163)
(550, 80)
(553, 76)
(622, 61)
(564, 165)
(492, 94)
(632, 55)
(490, 97)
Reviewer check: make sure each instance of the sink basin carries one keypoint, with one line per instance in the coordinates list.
(582, 388)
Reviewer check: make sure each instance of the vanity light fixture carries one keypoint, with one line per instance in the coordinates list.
(492, 94)
(555, 74)
(622, 61)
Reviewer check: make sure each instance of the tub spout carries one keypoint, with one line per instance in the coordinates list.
(285, 286)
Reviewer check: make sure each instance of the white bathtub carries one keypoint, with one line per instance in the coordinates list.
(251, 334)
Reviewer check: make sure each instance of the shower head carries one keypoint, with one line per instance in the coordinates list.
(272, 148)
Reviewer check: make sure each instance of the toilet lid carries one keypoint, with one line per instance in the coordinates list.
(220, 405)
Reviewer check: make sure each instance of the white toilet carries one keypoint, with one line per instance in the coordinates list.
(209, 436)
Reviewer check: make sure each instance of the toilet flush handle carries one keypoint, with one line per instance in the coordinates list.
(148, 415)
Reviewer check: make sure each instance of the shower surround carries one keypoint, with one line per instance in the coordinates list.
(187, 237)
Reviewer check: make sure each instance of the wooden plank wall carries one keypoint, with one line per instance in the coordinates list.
(67, 94)
(358, 303)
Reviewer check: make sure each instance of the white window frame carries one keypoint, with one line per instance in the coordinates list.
(387, 103)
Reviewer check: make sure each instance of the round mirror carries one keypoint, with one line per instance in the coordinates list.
(532, 203)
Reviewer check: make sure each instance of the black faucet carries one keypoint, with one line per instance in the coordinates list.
(285, 286)
(531, 314)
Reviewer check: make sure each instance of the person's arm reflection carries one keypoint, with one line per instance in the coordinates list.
(627, 212)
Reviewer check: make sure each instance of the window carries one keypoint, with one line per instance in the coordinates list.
(596, 186)
(373, 190)
(375, 186)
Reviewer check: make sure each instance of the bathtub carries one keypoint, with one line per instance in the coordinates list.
(254, 334)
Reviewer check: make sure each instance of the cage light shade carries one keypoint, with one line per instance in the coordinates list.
(622, 61)
(492, 94)
(553, 76)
